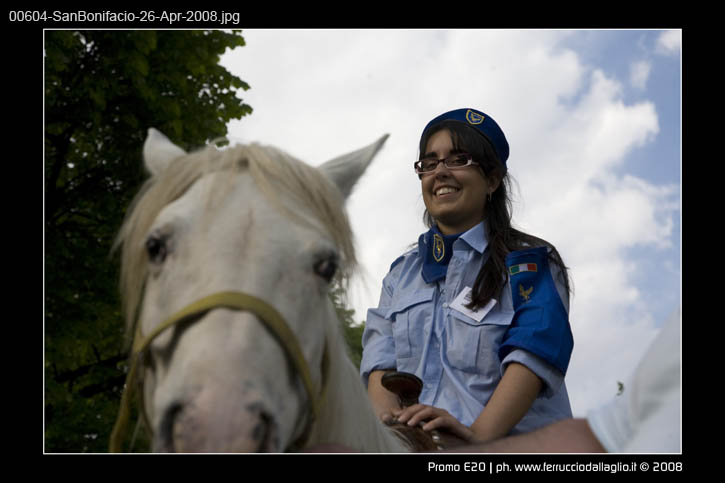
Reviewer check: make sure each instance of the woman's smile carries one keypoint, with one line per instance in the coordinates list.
(445, 192)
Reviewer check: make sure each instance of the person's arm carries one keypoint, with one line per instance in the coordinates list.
(514, 395)
(384, 402)
(565, 436)
(511, 400)
(378, 355)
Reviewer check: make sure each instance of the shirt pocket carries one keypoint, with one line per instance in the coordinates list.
(472, 346)
(410, 316)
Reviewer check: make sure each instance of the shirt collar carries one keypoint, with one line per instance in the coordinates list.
(476, 237)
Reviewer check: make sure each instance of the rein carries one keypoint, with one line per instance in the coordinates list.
(269, 317)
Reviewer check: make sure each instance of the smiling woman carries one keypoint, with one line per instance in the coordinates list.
(489, 339)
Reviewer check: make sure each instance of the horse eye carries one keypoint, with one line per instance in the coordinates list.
(156, 248)
(327, 268)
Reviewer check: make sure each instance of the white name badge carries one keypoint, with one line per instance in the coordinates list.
(464, 298)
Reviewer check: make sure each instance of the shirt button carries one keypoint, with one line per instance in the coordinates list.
(445, 305)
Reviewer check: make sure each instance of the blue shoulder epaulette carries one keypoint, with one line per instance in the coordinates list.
(397, 261)
(412, 251)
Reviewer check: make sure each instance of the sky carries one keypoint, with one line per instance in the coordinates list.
(593, 120)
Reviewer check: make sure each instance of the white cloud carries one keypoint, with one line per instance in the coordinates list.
(670, 42)
(639, 73)
(318, 94)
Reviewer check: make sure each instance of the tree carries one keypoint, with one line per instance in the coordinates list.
(103, 90)
(351, 331)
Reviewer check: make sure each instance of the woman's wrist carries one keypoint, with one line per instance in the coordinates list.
(384, 402)
(479, 436)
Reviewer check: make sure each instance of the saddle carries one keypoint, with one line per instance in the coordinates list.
(408, 388)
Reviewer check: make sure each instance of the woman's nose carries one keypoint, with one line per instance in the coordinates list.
(441, 170)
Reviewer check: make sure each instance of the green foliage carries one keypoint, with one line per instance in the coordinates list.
(352, 331)
(103, 90)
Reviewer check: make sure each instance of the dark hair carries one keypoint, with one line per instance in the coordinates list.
(502, 237)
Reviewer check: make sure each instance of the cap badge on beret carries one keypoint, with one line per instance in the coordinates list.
(473, 117)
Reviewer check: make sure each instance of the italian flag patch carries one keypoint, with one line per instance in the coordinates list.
(524, 267)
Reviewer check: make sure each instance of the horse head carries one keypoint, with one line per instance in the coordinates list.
(247, 223)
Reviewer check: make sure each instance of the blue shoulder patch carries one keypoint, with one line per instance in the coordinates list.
(397, 261)
(412, 251)
(541, 323)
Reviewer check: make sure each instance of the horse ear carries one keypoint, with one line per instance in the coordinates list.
(345, 170)
(159, 151)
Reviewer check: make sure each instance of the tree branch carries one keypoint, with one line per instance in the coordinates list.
(71, 376)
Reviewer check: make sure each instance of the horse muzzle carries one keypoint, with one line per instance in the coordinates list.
(215, 423)
(196, 427)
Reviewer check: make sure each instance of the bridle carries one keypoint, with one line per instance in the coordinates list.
(269, 317)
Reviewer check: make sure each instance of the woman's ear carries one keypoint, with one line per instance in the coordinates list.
(494, 181)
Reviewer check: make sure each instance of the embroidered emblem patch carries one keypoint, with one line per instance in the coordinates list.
(473, 117)
(525, 294)
(524, 267)
(439, 248)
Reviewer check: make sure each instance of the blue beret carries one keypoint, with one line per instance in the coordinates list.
(483, 123)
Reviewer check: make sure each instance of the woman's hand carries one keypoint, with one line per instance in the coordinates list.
(434, 418)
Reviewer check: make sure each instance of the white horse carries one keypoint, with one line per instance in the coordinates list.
(227, 259)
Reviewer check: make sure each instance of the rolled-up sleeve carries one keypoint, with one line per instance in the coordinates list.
(551, 377)
(541, 321)
(377, 340)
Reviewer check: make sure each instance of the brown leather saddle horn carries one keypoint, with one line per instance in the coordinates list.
(408, 388)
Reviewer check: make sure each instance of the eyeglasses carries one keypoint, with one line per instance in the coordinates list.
(454, 161)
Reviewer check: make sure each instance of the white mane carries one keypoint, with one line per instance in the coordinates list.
(347, 415)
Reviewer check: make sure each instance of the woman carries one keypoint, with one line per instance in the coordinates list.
(479, 310)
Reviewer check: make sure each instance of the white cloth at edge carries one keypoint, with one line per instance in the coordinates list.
(646, 418)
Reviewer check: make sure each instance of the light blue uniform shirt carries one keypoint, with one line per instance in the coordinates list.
(414, 329)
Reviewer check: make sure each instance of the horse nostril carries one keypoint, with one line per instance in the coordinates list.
(265, 433)
(166, 429)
